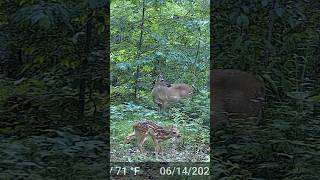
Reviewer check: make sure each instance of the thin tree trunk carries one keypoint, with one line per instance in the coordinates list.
(197, 58)
(83, 67)
(270, 31)
(136, 90)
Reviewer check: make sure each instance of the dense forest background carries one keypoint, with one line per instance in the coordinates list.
(149, 38)
(53, 89)
(279, 41)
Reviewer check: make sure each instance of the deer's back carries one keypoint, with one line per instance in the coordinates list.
(145, 126)
(183, 90)
(173, 93)
(236, 91)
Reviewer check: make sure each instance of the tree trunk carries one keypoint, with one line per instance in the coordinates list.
(269, 37)
(83, 67)
(136, 90)
(197, 58)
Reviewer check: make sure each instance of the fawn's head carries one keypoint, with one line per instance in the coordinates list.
(174, 131)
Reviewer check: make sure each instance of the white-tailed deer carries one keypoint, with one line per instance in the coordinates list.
(164, 92)
(144, 128)
(235, 92)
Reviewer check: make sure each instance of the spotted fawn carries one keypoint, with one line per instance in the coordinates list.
(144, 128)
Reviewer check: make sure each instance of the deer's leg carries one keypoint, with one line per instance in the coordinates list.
(160, 150)
(159, 108)
(155, 142)
(141, 141)
(159, 104)
(164, 105)
(157, 148)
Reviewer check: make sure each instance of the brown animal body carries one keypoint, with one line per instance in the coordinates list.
(144, 128)
(164, 93)
(235, 92)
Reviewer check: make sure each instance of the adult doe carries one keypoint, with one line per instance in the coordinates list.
(236, 93)
(164, 92)
(144, 128)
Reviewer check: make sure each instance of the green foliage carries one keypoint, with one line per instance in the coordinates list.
(53, 69)
(279, 41)
(64, 153)
(47, 60)
(165, 46)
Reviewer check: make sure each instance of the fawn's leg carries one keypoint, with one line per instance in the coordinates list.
(141, 141)
(155, 142)
(160, 149)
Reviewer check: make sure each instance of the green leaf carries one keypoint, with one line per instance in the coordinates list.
(279, 12)
(243, 20)
(39, 59)
(298, 95)
(123, 66)
(245, 9)
(237, 42)
(36, 16)
(76, 37)
(268, 165)
(44, 22)
(315, 98)
(293, 23)
(93, 3)
(101, 29)
(264, 3)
